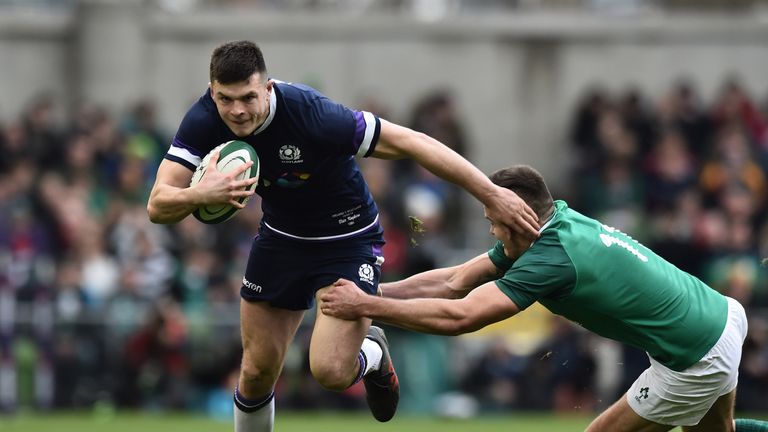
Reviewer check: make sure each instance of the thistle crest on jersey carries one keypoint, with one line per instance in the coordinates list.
(290, 154)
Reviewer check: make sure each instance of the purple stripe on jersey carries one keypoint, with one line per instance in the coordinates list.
(377, 250)
(359, 130)
(192, 150)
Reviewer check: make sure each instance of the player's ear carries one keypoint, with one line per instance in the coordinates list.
(270, 83)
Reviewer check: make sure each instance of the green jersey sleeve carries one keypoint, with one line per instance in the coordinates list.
(543, 271)
(499, 258)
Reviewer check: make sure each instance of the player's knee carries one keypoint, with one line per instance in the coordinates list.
(332, 375)
(257, 377)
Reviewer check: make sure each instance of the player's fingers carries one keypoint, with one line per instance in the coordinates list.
(530, 224)
(531, 215)
(325, 305)
(242, 168)
(524, 228)
(528, 220)
(241, 191)
(237, 172)
(212, 162)
(242, 184)
(236, 204)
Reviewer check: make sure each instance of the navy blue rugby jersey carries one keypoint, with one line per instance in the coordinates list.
(310, 184)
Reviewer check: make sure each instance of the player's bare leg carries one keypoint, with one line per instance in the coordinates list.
(621, 418)
(266, 334)
(334, 350)
(719, 418)
(344, 352)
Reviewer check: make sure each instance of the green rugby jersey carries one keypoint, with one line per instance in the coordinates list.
(610, 284)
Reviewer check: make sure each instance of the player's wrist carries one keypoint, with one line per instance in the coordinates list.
(367, 307)
(491, 195)
(389, 290)
(193, 196)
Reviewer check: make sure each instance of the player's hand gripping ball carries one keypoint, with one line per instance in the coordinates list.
(234, 154)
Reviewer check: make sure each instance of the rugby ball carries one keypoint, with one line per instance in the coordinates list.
(234, 154)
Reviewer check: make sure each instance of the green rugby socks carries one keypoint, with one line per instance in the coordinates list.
(750, 425)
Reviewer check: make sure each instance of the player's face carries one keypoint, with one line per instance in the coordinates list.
(244, 106)
(514, 244)
(502, 233)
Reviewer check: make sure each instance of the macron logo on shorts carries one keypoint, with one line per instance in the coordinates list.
(251, 286)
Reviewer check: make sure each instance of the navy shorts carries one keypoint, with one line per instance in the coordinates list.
(286, 273)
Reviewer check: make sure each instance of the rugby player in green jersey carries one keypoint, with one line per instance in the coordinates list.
(600, 278)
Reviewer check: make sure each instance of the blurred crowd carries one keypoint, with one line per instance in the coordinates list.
(100, 306)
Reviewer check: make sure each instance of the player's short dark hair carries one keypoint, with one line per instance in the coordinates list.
(528, 184)
(236, 61)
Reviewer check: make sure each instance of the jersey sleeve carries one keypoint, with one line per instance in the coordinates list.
(193, 138)
(341, 129)
(367, 130)
(499, 258)
(544, 270)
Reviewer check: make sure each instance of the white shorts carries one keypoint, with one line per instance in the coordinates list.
(664, 396)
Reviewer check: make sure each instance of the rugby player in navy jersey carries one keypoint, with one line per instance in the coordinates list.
(320, 221)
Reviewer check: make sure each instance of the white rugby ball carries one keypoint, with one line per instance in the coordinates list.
(234, 154)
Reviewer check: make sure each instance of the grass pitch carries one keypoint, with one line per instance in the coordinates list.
(291, 421)
(286, 422)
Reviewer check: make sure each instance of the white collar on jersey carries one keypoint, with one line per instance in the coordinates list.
(272, 109)
(549, 221)
(546, 224)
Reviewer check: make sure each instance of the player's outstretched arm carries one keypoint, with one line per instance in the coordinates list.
(483, 306)
(449, 282)
(396, 142)
(172, 199)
